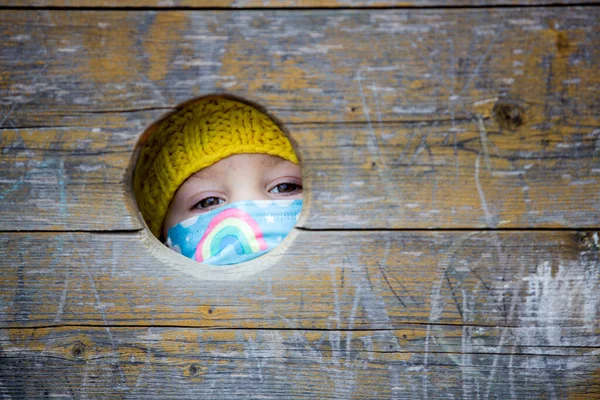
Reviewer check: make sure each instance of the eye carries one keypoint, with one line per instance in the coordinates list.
(286, 188)
(208, 202)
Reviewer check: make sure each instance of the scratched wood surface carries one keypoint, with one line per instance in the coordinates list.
(326, 280)
(453, 119)
(277, 3)
(416, 118)
(216, 364)
(429, 66)
(343, 314)
(76, 178)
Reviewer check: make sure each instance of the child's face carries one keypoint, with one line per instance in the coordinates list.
(235, 178)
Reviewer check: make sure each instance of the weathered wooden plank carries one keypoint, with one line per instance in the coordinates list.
(307, 66)
(319, 280)
(67, 178)
(411, 176)
(479, 119)
(186, 363)
(467, 314)
(276, 3)
(78, 178)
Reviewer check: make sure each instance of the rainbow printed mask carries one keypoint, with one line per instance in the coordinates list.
(236, 232)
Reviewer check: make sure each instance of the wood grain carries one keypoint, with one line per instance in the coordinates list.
(482, 117)
(472, 119)
(353, 66)
(79, 178)
(90, 362)
(234, 4)
(408, 314)
(323, 280)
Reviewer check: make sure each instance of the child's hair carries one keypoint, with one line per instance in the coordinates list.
(198, 134)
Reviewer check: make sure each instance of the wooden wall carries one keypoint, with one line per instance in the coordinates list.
(448, 245)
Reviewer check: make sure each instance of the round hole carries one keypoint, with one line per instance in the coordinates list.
(218, 181)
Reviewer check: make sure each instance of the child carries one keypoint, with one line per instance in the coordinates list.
(219, 181)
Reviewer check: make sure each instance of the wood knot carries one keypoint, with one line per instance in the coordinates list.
(509, 114)
(78, 349)
(194, 371)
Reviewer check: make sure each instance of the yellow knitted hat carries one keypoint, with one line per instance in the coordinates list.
(197, 135)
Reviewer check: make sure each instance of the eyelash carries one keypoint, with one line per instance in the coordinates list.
(198, 205)
(297, 187)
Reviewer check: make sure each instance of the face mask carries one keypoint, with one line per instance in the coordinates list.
(236, 232)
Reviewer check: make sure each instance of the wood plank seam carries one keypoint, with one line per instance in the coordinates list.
(548, 4)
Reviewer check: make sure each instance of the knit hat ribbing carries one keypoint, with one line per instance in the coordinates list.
(194, 137)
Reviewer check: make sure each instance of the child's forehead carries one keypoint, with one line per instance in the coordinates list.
(242, 161)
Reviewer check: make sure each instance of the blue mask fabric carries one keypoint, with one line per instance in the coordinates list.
(236, 232)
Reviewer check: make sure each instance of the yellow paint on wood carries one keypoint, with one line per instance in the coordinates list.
(161, 41)
(108, 58)
(445, 118)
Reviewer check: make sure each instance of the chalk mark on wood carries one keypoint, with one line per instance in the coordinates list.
(514, 296)
(373, 143)
(475, 72)
(65, 289)
(100, 308)
(482, 199)
(483, 140)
